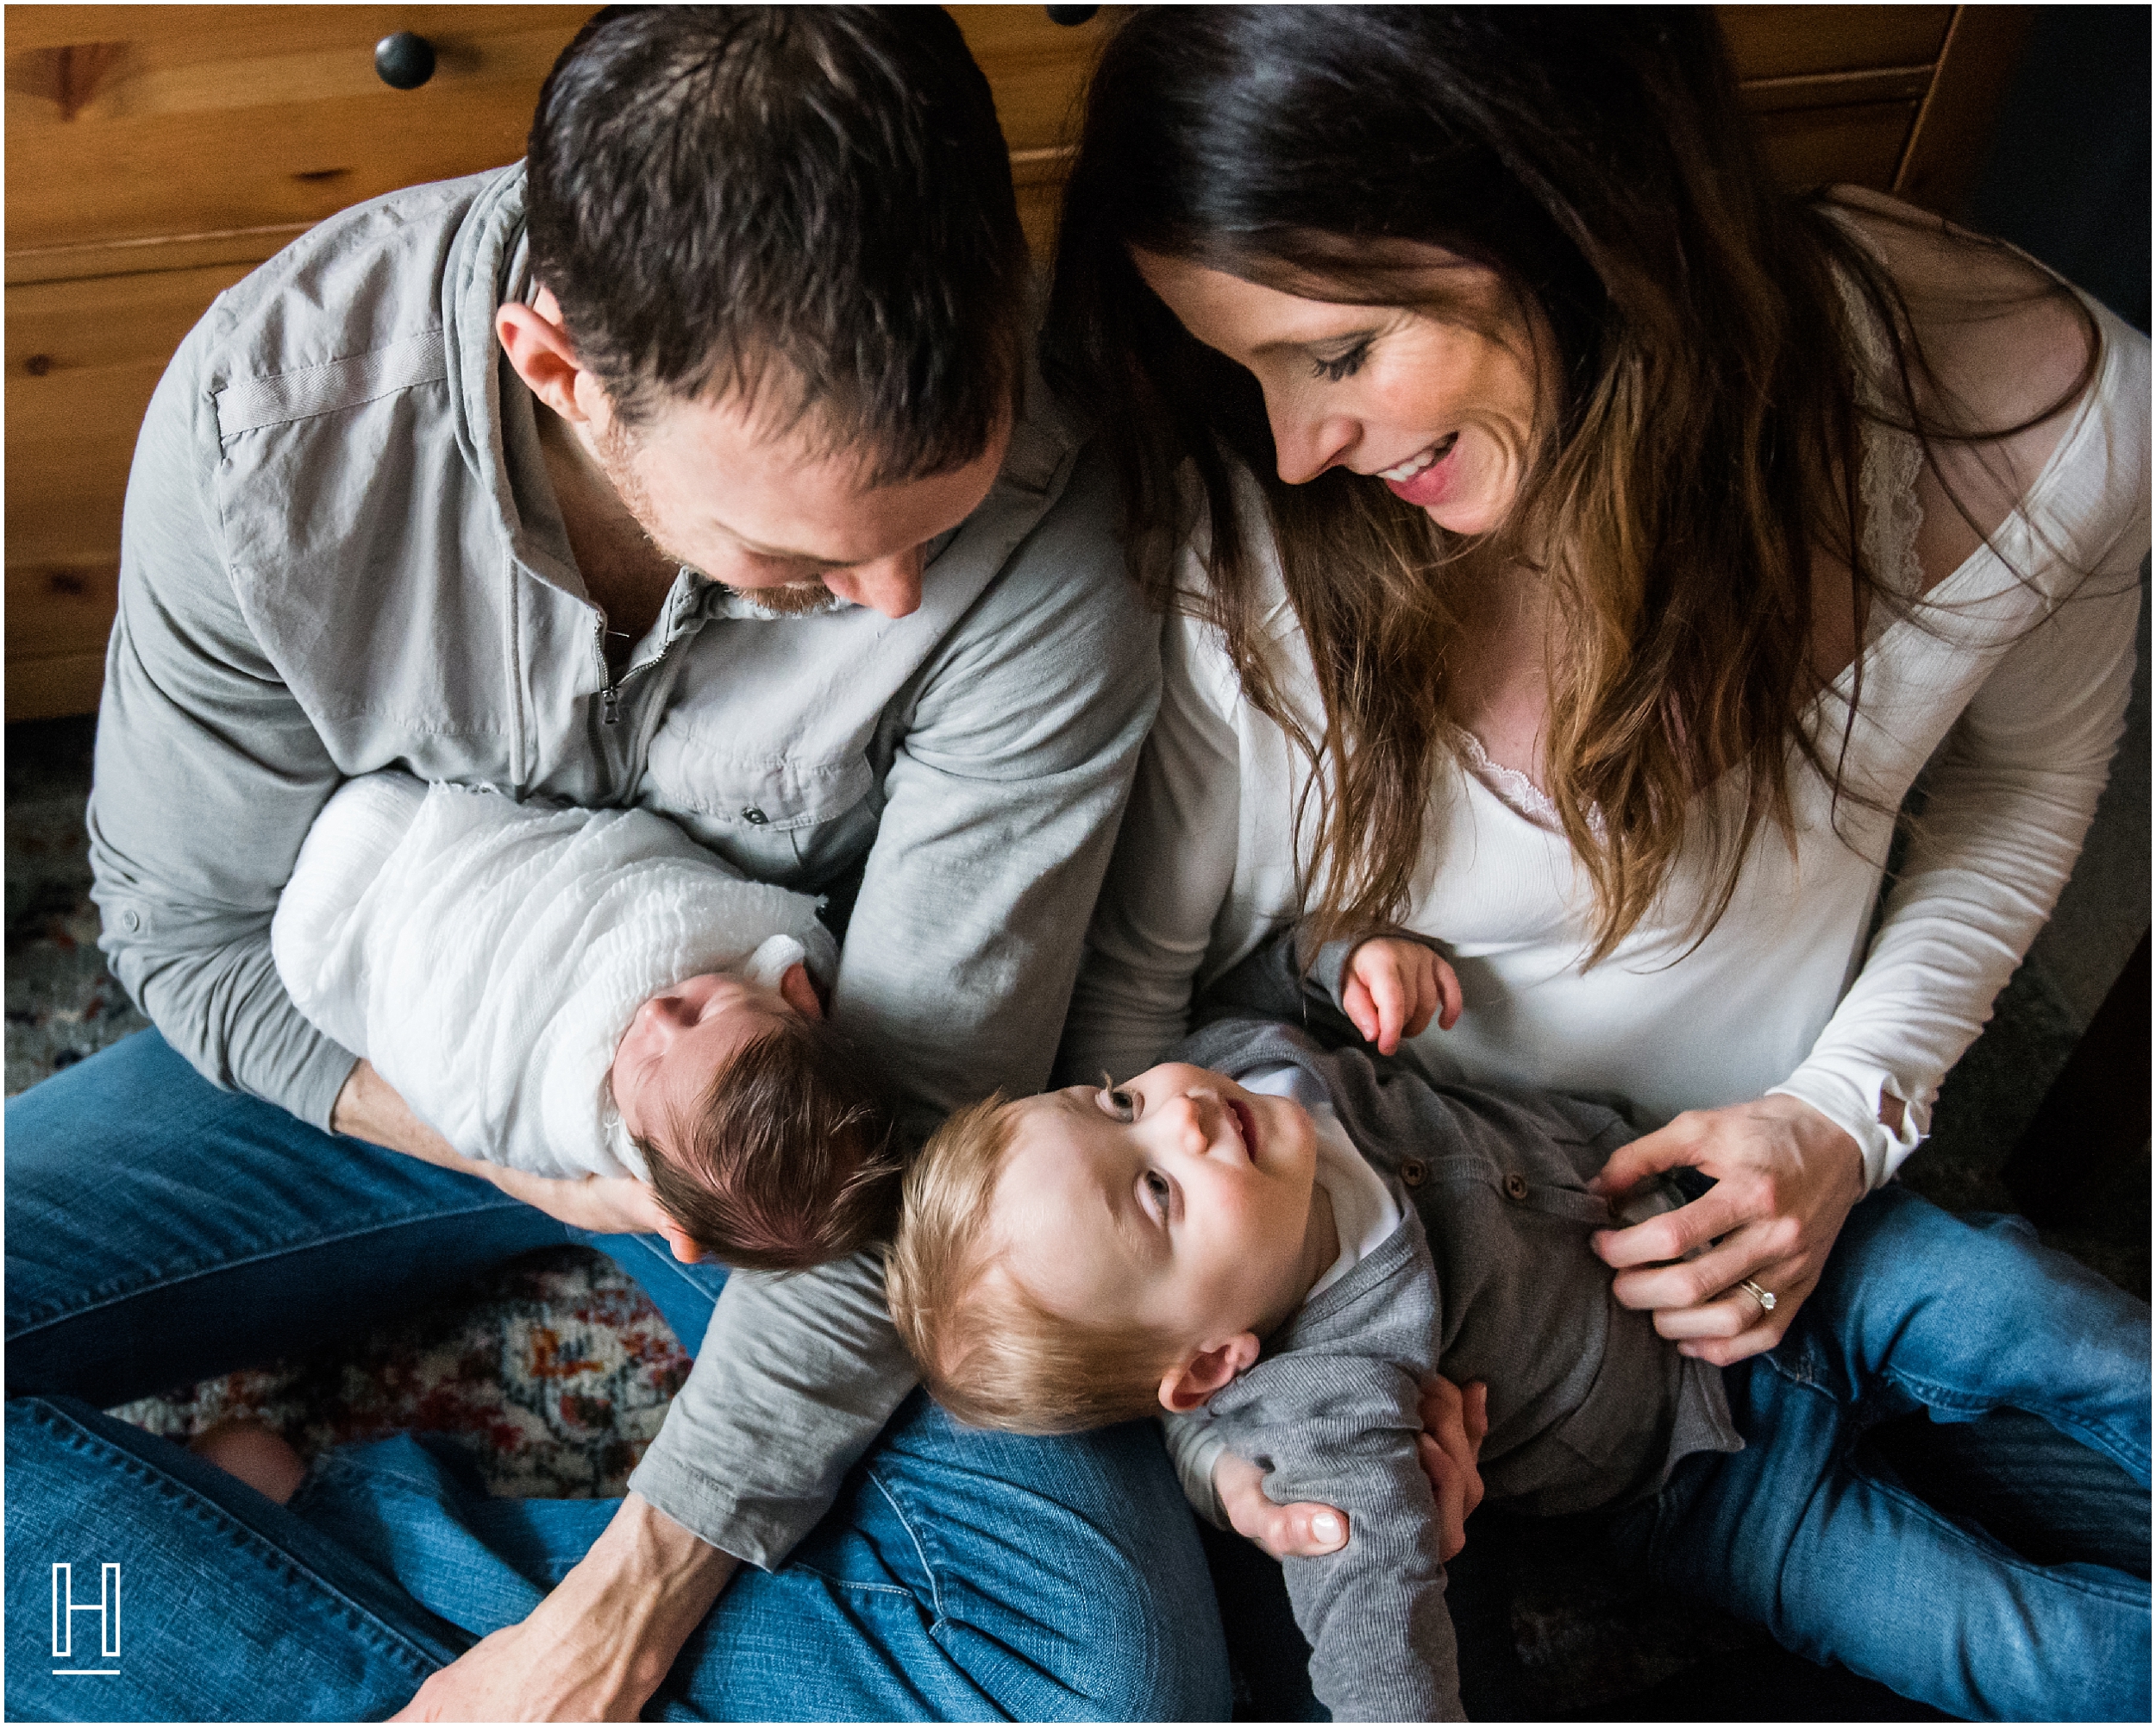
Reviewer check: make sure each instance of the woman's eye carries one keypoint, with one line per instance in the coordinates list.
(1346, 366)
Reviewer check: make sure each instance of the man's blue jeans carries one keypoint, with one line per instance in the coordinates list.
(160, 1230)
(1810, 1532)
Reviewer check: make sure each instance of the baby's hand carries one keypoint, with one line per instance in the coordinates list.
(1394, 987)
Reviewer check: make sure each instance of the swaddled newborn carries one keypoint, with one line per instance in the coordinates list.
(573, 992)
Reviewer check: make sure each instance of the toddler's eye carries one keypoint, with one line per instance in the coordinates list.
(1156, 1184)
(1120, 1104)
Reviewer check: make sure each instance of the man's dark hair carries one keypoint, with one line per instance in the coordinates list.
(806, 207)
(792, 1158)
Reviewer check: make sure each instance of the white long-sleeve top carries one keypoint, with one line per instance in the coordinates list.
(2010, 678)
(486, 956)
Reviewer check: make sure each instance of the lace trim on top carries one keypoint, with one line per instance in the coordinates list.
(1890, 464)
(1511, 788)
(1887, 467)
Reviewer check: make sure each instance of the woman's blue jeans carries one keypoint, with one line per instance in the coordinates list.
(2029, 1599)
(160, 1230)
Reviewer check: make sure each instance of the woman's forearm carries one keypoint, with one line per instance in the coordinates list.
(2011, 802)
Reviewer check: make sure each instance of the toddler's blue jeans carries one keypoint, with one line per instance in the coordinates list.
(160, 1230)
(2035, 1608)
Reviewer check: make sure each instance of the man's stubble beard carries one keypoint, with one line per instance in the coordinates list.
(787, 600)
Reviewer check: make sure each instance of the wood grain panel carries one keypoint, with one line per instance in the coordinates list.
(275, 111)
(1954, 128)
(81, 360)
(1036, 68)
(1790, 41)
(53, 687)
(1827, 145)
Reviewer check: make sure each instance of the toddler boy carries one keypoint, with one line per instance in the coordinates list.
(1243, 1235)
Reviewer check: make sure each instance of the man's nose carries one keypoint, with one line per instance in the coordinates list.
(1305, 443)
(890, 585)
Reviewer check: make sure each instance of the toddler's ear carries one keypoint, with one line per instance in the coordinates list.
(1187, 1387)
(799, 990)
(684, 1244)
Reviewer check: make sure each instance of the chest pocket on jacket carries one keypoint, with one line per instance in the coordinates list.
(773, 797)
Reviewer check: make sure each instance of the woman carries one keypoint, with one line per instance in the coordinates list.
(1524, 470)
(1575, 547)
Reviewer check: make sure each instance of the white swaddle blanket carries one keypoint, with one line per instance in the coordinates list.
(486, 956)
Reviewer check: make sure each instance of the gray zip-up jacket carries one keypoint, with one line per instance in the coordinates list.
(1488, 1276)
(340, 553)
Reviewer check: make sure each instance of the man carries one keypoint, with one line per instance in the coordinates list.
(689, 464)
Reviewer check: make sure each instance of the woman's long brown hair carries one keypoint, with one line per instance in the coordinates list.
(1704, 449)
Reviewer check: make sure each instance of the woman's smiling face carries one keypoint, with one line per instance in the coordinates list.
(1442, 410)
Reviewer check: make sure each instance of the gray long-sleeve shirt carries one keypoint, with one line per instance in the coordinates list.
(1488, 1276)
(340, 553)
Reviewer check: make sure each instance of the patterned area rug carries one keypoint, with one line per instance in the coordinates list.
(553, 1372)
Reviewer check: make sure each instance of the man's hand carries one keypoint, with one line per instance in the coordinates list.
(1393, 987)
(1301, 1531)
(597, 1647)
(1784, 1179)
(370, 1107)
(1454, 1421)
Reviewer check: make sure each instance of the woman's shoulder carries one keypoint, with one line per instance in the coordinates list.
(2016, 368)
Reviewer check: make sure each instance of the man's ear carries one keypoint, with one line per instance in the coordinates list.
(540, 352)
(683, 1243)
(1185, 1388)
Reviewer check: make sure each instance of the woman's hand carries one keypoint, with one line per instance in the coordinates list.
(1454, 1423)
(1784, 1179)
(1394, 988)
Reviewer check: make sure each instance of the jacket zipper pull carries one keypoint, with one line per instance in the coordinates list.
(609, 704)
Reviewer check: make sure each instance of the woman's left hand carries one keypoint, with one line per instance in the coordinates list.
(1784, 1179)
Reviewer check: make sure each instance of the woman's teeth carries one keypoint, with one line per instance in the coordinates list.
(1416, 464)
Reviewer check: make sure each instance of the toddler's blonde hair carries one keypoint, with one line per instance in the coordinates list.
(986, 1347)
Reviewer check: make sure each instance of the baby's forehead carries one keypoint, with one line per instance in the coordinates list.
(1051, 1150)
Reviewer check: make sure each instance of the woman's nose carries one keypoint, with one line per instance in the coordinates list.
(1306, 444)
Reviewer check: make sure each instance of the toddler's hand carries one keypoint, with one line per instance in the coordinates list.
(1394, 987)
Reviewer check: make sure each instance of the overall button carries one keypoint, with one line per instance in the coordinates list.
(1515, 1187)
(1414, 1172)
(754, 817)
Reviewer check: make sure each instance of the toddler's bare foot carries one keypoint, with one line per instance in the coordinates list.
(249, 1450)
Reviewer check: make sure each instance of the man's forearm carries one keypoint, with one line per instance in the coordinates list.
(598, 1646)
(644, 1586)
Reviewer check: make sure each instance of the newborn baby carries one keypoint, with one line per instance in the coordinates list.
(574, 992)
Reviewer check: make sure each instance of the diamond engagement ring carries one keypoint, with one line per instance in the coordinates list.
(1764, 1297)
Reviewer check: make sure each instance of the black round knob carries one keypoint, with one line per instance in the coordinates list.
(1070, 15)
(404, 61)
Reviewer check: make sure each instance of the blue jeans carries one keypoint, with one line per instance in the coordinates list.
(2036, 1607)
(160, 1230)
